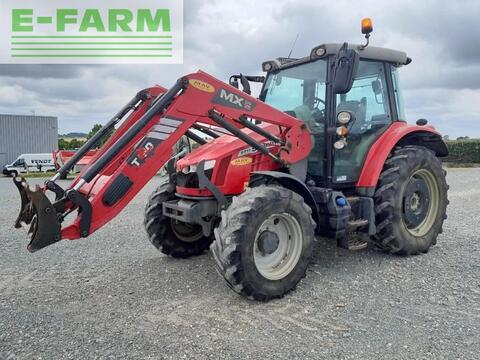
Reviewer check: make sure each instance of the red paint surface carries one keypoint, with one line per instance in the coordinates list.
(378, 153)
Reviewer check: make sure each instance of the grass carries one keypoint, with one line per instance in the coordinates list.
(38, 174)
(460, 165)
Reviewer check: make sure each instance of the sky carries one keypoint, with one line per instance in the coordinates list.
(223, 37)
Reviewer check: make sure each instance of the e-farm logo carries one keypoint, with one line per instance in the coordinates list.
(92, 32)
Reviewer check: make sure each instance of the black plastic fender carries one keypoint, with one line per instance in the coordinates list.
(288, 181)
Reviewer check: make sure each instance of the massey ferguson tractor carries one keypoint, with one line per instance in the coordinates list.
(325, 150)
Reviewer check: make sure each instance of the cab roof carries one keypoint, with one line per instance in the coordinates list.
(373, 53)
(394, 57)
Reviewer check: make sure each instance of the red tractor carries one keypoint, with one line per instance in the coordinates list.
(324, 150)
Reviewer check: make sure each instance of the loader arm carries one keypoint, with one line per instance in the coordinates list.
(143, 143)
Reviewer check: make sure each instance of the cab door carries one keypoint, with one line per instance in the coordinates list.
(368, 99)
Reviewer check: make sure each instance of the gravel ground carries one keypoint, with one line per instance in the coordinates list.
(113, 295)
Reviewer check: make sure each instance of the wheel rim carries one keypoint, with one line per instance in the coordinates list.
(186, 232)
(420, 202)
(278, 246)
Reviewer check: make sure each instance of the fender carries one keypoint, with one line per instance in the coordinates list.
(398, 134)
(288, 181)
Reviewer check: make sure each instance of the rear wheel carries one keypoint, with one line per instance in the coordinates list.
(264, 242)
(172, 237)
(14, 173)
(410, 201)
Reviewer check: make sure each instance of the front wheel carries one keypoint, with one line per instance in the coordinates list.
(410, 201)
(263, 244)
(169, 236)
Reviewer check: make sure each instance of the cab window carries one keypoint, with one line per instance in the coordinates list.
(300, 91)
(398, 94)
(368, 100)
(286, 93)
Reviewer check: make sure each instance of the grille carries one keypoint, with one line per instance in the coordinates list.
(190, 180)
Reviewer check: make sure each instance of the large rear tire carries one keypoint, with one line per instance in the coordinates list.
(264, 242)
(171, 237)
(410, 201)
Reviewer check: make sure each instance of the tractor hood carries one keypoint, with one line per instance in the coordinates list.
(225, 146)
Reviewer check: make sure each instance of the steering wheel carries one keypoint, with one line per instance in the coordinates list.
(317, 101)
(318, 115)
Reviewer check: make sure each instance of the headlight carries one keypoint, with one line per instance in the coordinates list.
(340, 144)
(344, 117)
(209, 164)
(318, 52)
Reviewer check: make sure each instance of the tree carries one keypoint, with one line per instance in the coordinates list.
(75, 144)
(96, 128)
(63, 144)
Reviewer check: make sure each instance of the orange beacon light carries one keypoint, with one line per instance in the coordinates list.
(367, 26)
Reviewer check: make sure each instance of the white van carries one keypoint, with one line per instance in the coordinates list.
(30, 163)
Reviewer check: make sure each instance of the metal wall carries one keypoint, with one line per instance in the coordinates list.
(26, 134)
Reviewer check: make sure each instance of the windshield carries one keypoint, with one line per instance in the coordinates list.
(19, 162)
(300, 92)
(302, 85)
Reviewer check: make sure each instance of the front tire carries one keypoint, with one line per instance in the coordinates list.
(264, 242)
(410, 201)
(171, 237)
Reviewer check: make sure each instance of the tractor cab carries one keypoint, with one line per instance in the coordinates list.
(347, 95)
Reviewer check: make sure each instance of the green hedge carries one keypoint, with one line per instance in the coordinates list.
(463, 151)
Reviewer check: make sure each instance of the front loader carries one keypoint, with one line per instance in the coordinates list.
(324, 150)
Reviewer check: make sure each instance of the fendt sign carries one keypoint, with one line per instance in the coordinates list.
(67, 31)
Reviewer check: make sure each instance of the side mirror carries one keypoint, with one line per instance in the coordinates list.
(345, 69)
(245, 84)
(233, 81)
(244, 80)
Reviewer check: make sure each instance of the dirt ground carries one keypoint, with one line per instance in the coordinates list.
(113, 295)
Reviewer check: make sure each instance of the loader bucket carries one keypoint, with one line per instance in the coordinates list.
(38, 211)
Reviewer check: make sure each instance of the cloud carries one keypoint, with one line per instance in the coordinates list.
(452, 27)
(226, 37)
(40, 71)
